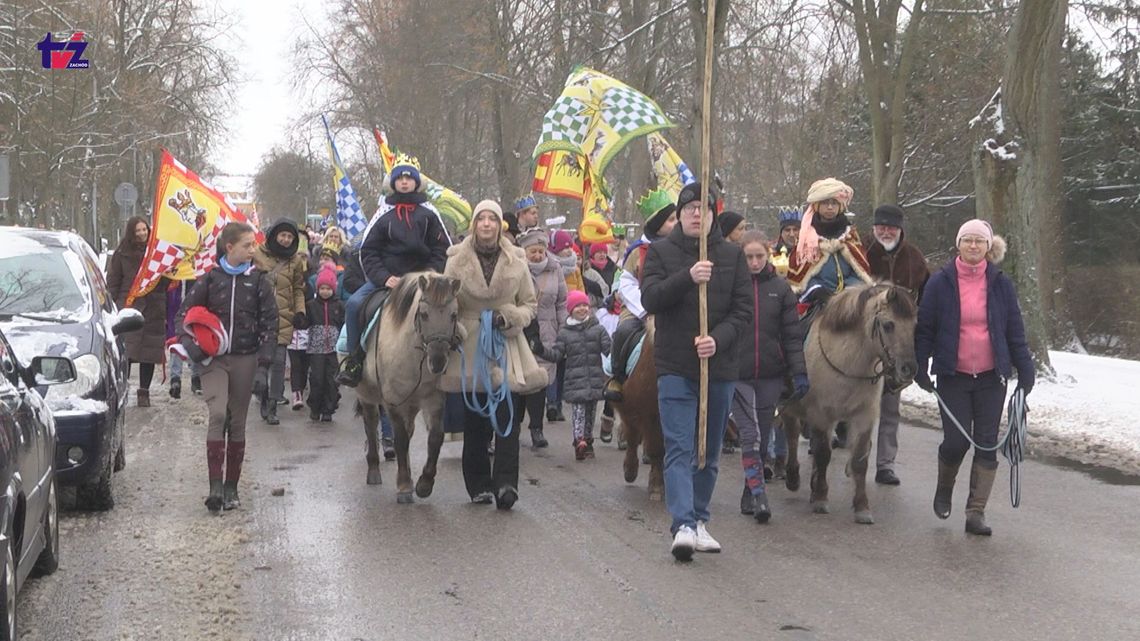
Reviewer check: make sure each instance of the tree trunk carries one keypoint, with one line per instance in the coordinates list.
(885, 76)
(1017, 164)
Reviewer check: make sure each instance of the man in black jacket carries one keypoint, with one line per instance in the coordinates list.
(669, 291)
(406, 235)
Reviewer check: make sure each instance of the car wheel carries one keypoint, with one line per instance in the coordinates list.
(121, 457)
(8, 632)
(97, 495)
(48, 560)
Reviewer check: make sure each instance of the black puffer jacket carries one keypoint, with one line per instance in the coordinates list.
(246, 306)
(407, 235)
(582, 346)
(669, 293)
(773, 345)
(353, 272)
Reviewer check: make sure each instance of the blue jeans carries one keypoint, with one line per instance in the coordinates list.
(352, 314)
(176, 367)
(688, 490)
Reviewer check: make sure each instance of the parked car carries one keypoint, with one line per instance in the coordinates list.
(54, 302)
(29, 506)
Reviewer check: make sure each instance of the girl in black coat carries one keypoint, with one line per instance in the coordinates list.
(770, 350)
(242, 299)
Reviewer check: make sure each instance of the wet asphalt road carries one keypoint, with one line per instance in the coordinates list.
(582, 556)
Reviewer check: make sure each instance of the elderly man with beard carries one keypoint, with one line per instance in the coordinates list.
(893, 259)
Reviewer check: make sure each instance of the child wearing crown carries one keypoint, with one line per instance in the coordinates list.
(405, 235)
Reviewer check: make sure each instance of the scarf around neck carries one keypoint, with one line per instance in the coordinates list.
(233, 270)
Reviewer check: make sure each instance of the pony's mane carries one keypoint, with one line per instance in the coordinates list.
(438, 292)
(845, 311)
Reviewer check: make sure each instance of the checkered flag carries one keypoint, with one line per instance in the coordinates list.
(628, 111)
(162, 259)
(349, 216)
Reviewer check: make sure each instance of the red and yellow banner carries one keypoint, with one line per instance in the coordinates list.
(188, 217)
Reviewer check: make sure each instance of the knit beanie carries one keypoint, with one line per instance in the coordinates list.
(327, 277)
(728, 221)
(975, 227)
(405, 170)
(575, 298)
(530, 237)
(486, 205)
(561, 240)
(691, 193)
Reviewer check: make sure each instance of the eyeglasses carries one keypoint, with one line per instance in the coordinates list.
(973, 240)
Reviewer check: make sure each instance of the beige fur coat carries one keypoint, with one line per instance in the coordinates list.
(510, 293)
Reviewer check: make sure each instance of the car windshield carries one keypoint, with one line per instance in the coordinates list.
(42, 284)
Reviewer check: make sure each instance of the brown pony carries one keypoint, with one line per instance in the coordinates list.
(403, 361)
(862, 340)
(641, 419)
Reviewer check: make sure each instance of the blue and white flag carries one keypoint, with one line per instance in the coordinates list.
(349, 216)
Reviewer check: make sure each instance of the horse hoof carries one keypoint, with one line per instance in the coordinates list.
(819, 507)
(864, 517)
(374, 477)
(630, 473)
(404, 498)
(792, 480)
(424, 488)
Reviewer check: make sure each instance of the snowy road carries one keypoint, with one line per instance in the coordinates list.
(583, 556)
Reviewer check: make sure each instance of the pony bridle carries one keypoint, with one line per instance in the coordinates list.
(451, 339)
(884, 364)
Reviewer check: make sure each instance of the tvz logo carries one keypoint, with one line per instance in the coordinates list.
(63, 55)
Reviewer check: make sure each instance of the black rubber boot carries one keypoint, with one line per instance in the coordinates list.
(196, 384)
(537, 439)
(762, 511)
(352, 370)
(215, 500)
(230, 498)
(944, 491)
(271, 414)
(389, 449)
(747, 505)
(175, 387)
(506, 497)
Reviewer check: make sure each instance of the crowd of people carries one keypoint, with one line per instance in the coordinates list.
(566, 311)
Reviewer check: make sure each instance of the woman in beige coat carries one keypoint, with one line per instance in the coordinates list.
(495, 277)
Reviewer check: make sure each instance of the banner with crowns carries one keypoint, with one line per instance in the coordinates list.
(188, 216)
(596, 117)
(670, 172)
(453, 207)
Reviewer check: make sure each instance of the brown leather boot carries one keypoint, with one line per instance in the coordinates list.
(944, 491)
(982, 475)
(144, 398)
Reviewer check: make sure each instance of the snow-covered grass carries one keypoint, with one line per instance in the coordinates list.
(1089, 413)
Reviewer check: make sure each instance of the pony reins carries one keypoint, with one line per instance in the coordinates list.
(1011, 445)
(490, 347)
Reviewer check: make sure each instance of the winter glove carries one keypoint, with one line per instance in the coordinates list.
(1026, 385)
(499, 321)
(922, 379)
(300, 320)
(801, 385)
(817, 296)
(195, 352)
(536, 347)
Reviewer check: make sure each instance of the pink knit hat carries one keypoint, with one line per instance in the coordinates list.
(975, 227)
(560, 240)
(575, 298)
(327, 277)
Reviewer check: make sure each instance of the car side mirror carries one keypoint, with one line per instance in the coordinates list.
(127, 320)
(53, 370)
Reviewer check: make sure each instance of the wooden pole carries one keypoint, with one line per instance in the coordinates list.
(706, 174)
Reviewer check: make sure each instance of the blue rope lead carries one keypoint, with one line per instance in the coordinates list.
(1011, 445)
(490, 348)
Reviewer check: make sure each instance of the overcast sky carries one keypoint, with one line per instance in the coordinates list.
(263, 31)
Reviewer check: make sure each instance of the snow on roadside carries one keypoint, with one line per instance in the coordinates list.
(1088, 414)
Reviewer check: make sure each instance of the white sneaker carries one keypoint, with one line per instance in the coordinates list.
(684, 541)
(705, 541)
